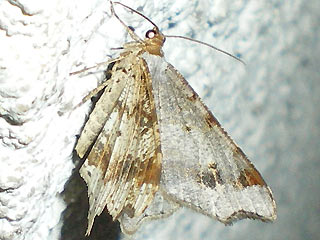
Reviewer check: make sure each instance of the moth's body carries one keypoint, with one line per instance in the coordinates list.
(157, 147)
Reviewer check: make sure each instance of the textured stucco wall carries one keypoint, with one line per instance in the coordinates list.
(40, 44)
(270, 106)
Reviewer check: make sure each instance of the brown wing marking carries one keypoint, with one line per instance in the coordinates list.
(126, 155)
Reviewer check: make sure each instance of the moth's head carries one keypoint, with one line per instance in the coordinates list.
(154, 41)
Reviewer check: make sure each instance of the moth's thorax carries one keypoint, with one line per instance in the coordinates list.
(152, 44)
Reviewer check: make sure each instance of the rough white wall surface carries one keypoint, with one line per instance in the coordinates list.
(269, 106)
(37, 124)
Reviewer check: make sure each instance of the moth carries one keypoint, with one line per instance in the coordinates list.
(153, 146)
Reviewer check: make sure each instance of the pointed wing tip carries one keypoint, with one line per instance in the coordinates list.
(90, 224)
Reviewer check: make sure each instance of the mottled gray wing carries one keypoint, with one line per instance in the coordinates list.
(123, 167)
(202, 167)
(159, 208)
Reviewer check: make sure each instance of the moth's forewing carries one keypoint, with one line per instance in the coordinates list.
(123, 167)
(202, 167)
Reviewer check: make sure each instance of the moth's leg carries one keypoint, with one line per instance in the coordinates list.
(98, 88)
(92, 93)
(97, 65)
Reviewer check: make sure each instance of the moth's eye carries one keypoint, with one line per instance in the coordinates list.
(151, 34)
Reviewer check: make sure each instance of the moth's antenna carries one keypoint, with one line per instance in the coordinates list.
(135, 11)
(130, 31)
(171, 36)
(208, 45)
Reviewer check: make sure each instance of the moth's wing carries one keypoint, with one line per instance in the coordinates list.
(159, 208)
(123, 168)
(102, 111)
(202, 167)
